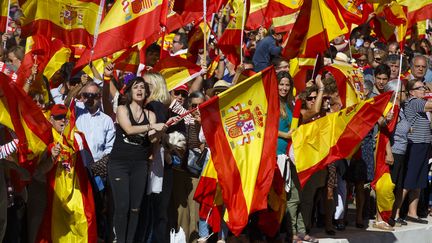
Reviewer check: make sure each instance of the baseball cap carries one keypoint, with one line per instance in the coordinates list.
(59, 110)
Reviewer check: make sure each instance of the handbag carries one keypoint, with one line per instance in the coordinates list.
(196, 160)
(177, 237)
(99, 168)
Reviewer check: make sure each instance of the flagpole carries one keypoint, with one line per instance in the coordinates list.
(163, 42)
(96, 33)
(205, 27)
(242, 31)
(316, 61)
(398, 83)
(7, 22)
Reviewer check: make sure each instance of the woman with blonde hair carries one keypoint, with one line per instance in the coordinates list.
(160, 174)
(158, 88)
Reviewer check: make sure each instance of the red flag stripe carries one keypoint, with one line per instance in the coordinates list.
(267, 168)
(231, 182)
(347, 142)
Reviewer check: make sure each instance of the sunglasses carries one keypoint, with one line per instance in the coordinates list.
(90, 95)
(310, 98)
(377, 59)
(59, 117)
(182, 93)
(420, 88)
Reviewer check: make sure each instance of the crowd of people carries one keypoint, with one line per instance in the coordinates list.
(147, 156)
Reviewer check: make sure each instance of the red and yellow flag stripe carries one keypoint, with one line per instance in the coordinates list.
(334, 136)
(240, 132)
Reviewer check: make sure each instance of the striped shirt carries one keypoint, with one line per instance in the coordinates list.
(400, 139)
(8, 149)
(420, 130)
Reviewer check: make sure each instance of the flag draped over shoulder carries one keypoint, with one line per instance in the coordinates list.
(349, 81)
(382, 182)
(177, 71)
(334, 136)
(124, 26)
(70, 213)
(20, 114)
(240, 126)
(72, 21)
(318, 23)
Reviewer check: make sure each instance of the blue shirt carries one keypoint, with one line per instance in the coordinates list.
(264, 50)
(284, 126)
(98, 129)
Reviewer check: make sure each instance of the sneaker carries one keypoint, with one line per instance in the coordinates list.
(382, 225)
(401, 222)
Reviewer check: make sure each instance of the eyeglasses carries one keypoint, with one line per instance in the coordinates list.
(194, 105)
(420, 88)
(90, 95)
(182, 93)
(310, 98)
(59, 117)
(326, 98)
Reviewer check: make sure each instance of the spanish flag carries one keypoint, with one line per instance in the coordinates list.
(349, 81)
(207, 194)
(316, 25)
(192, 10)
(382, 183)
(124, 26)
(70, 213)
(20, 114)
(269, 220)
(213, 65)
(334, 136)
(283, 14)
(354, 12)
(177, 71)
(396, 15)
(230, 42)
(417, 10)
(38, 50)
(4, 14)
(257, 14)
(240, 126)
(72, 21)
(174, 20)
(301, 70)
(59, 54)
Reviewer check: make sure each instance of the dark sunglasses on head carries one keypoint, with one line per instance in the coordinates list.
(90, 95)
(183, 94)
(377, 59)
(59, 117)
(310, 98)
